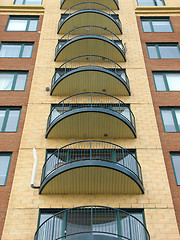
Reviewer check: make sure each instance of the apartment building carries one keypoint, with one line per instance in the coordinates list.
(163, 72)
(92, 116)
(19, 38)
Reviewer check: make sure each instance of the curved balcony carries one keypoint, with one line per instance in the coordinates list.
(90, 73)
(113, 4)
(95, 167)
(91, 115)
(93, 223)
(90, 40)
(89, 13)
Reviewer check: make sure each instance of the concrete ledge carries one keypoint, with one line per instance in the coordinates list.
(22, 8)
(157, 9)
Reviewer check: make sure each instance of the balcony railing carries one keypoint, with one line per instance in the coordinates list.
(62, 2)
(89, 6)
(89, 61)
(89, 31)
(91, 100)
(91, 150)
(92, 222)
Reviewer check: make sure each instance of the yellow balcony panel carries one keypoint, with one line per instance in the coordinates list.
(91, 167)
(90, 40)
(90, 73)
(66, 4)
(92, 14)
(91, 115)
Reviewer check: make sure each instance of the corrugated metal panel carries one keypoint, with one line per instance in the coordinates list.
(91, 125)
(69, 3)
(95, 180)
(90, 46)
(93, 19)
(90, 81)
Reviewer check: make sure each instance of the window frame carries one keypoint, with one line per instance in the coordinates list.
(24, 3)
(54, 211)
(7, 171)
(163, 73)
(28, 18)
(156, 45)
(4, 124)
(155, 4)
(173, 117)
(151, 19)
(174, 169)
(51, 151)
(16, 73)
(23, 44)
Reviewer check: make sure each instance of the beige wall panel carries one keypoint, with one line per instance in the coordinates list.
(6, 2)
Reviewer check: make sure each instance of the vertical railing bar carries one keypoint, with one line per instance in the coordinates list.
(63, 107)
(90, 150)
(92, 219)
(58, 160)
(130, 227)
(91, 99)
(53, 228)
(123, 155)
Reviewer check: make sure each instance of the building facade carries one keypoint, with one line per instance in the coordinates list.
(163, 74)
(15, 79)
(93, 117)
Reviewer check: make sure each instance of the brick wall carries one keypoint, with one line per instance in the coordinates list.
(169, 141)
(9, 142)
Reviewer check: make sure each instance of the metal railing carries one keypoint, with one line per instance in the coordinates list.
(89, 6)
(91, 100)
(89, 150)
(92, 31)
(89, 61)
(88, 222)
(62, 2)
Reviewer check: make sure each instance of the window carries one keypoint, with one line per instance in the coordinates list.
(77, 154)
(28, 2)
(175, 158)
(109, 223)
(171, 119)
(156, 25)
(163, 51)
(5, 159)
(16, 50)
(13, 81)
(64, 156)
(22, 24)
(167, 81)
(9, 118)
(57, 110)
(150, 2)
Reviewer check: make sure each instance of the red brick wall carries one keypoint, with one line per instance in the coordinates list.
(169, 141)
(9, 142)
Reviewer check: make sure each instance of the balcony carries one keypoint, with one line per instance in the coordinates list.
(91, 167)
(90, 73)
(90, 40)
(92, 223)
(89, 13)
(113, 4)
(91, 115)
